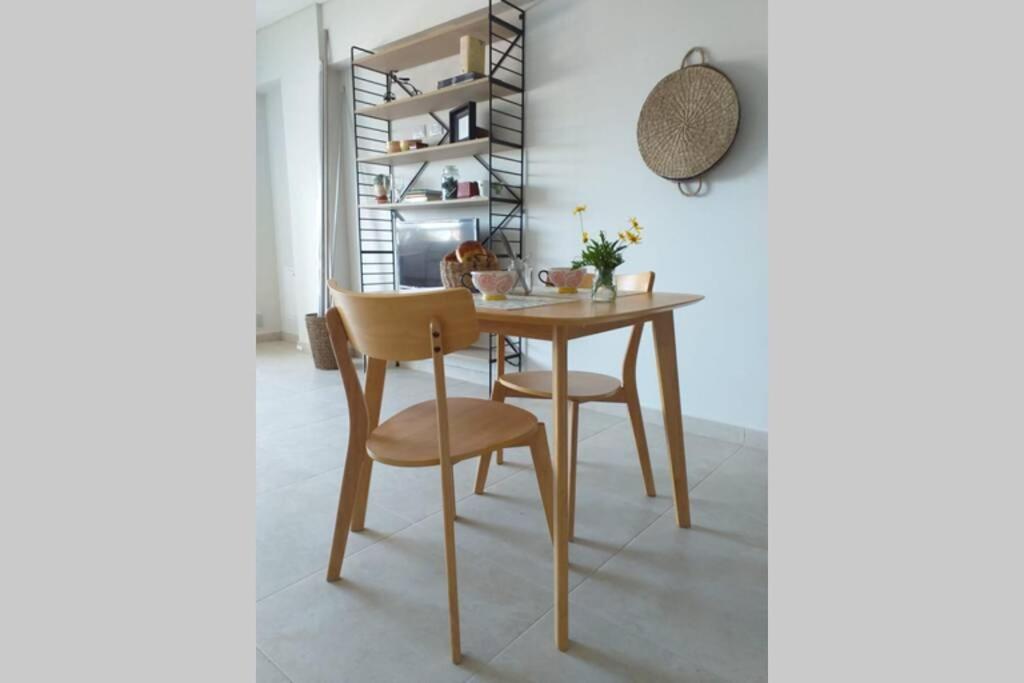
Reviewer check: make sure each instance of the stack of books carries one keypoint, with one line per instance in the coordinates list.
(420, 195)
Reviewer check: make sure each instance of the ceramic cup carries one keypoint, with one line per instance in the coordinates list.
(566, 279)
(493, 284)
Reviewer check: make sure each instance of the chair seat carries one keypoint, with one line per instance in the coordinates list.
(409, 438)
(583, 386)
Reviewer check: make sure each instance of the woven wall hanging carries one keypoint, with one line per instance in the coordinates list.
(688, 123)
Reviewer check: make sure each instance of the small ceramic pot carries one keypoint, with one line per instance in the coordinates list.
(565, 279)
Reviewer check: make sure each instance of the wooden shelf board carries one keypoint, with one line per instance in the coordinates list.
(438, 204)
(435, 100)
(434, 43)
(452, 150)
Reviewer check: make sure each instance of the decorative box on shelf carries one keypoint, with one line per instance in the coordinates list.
(468, 188)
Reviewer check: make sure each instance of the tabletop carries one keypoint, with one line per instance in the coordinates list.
(581, 316)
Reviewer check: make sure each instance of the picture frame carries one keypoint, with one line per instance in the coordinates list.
(462, 122)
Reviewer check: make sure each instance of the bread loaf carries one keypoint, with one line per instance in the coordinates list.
(469, 248)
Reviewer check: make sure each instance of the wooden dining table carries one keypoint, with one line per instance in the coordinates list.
(560, 321)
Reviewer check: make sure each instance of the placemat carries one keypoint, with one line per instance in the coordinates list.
(518, 301)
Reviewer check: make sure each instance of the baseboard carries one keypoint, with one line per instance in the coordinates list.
(722, 431)
(276, 336)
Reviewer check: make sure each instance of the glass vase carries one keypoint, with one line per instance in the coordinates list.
(604, 285)
(449, 182)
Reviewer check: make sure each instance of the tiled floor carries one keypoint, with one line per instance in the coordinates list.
(649, 601)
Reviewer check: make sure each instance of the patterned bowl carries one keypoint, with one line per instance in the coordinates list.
(566, 279)
(493, 284)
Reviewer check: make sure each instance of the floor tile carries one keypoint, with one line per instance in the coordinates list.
(701, 592)
(387, 618)
(650, 602)
(735, 497)
(293, 455)
(415, 492)
(294, 527)
(507, 525)
(616, 447)
(266, 672)
(280, 413)
(599, 652)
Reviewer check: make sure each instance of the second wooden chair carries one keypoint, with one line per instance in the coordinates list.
(584, 387)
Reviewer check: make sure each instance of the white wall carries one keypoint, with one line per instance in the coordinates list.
(589, 67)
(284, 235)
(268, 301)
(287, 63)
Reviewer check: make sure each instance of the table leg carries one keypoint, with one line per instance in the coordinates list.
(560, 399)
(672, 413)
(373, 390)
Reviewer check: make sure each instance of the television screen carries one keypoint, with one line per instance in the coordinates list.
(421, 246)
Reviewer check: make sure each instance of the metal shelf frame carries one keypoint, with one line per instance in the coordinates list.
(504, 162)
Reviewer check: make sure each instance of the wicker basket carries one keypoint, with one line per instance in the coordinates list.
(688, 122)
(320, 342)
(452, 272)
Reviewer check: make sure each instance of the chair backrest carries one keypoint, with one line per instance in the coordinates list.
(358, 415)
(390, 326)
(634, 282)
(393, 326)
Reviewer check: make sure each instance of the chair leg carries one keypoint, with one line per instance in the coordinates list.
(542, 468)
(500, 456)
(497, 394)
(355, 463)
(448, 510)
(481, 472)
(633, 403)
(574, 438)
(362, 495)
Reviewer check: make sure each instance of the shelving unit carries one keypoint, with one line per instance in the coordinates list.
(377, 101)
(440, 204)
(479, 90)
(442, 41)
(453, 150)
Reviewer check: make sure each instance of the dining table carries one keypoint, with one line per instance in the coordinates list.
(550, 318)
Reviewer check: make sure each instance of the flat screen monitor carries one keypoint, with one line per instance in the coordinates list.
(421, 246)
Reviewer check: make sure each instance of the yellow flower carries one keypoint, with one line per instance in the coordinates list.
(632, 237)
(580, 208)
(586, 237)
(622, 236)
(635, 224)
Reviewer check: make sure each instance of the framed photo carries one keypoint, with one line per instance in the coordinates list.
(462, 122)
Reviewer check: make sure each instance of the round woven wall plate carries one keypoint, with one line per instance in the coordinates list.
(688, 122)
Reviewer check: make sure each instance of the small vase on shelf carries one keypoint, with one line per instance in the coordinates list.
(604, 285)
(450, 182)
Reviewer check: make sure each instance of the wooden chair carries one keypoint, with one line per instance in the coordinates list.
(584, 387)
(396, 327)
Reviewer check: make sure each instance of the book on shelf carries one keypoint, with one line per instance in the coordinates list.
(460, 78)
(422, 196)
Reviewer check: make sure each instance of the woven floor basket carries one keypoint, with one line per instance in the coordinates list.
(320, 342)
(688, 122)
